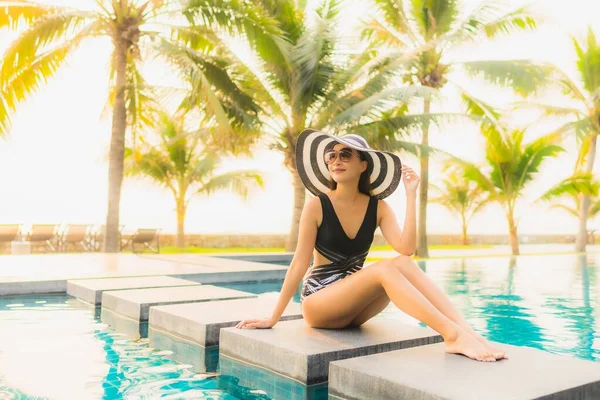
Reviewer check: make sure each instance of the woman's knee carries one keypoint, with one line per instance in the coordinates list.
(402, 262)
(387, 269)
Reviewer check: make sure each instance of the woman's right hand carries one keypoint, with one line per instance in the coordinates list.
(263, 323)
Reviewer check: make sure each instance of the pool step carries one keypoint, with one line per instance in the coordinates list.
(90, 290)
(191, 331)
(201, 323)
(135, 304)
(428, 373)
(297, 351)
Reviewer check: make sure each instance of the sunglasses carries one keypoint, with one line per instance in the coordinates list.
(345, 155)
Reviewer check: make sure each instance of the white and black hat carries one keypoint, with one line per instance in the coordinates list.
(385, 169)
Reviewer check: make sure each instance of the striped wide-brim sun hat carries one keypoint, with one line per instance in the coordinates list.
(385, 169)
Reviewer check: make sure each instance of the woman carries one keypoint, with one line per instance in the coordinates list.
(350, 180)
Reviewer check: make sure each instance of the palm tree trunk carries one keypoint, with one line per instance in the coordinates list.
(299, 198)
(465, 235)
(117, 152)
(513, 237)
(422, 248)
(582, 236)
(181, 209)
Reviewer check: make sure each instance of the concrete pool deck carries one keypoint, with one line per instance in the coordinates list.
(49, 273)
(90, 290)
(429, 373)
(191, 331)
(297, 351)
(136, 303)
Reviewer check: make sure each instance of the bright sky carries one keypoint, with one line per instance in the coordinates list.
(54, 167)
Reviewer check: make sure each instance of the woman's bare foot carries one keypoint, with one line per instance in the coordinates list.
(466, 344)
(497, 352)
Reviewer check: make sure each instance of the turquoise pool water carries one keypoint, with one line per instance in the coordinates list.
(56, 347)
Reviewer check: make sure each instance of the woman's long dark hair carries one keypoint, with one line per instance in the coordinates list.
(364, 183)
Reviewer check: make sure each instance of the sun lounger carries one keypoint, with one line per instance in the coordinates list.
(44, 233)
(144, 237)
(75, 235)
(8, 233)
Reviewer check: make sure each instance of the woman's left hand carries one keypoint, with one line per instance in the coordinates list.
(410, 178)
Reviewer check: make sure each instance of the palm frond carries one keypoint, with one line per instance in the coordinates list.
(43, 32)
(581, 128)
(585, 145)
(395, 16)
(151, 163)
(27, 80)
(243, 17)
(404, 123)
(212, 89)
(534, 155)
(14, 13)
(571, 210)
(203, 167)
(581, 183)
(489, 20)
(434, 18)
(364, 106)
(523, 76)
(378, 33)
(198, 37)
(313, 67)
(549, 110)
(588, 61)
(240, 182)
(486, 113)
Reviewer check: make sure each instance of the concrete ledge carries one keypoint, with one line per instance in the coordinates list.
(250, 379)
(136, 303)
(91, 290)
(204, 359)
(427, 372)
(297, 351)
(201, 323)
(24, 287)
(133, 329)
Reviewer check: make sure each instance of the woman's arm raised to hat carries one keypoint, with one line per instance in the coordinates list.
(404, 241)
(307, 236)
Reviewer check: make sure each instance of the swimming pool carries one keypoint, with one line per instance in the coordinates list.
(52, 346)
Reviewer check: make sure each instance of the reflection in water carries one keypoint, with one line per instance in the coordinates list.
(507, 315)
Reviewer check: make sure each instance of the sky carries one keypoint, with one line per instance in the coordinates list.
(54, 167)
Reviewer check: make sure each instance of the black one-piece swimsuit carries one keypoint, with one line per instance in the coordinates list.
(346, 255)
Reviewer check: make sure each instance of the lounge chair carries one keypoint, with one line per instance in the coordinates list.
(76, 235)
(144, 237)
(46, 234)
(8, 233)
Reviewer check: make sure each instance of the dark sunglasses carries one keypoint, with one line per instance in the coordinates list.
(331, 155)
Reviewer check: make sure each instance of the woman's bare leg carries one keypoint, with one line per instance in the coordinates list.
(438, 298)
(339, 303)
(371, 310)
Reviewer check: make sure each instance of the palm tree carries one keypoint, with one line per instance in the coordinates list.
(582, 113)
(316, 83)
(435, 30)
(181, 163)
(573, 188)
(462, 197)
(511, 166)
(138, 30)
